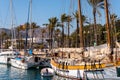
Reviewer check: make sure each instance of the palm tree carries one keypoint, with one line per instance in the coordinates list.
(63, 19)
(3, 36)
(57, 33)
(96, 4)
(26, 27)
(113, 29)
(33, 27)
(18, 35)
(48, 28)
(43, 32)
(77, 27)
(68, 19)
(8, 42)
(52, 24)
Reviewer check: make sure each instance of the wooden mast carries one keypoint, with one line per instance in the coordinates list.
(108, 32)
(80, 24)
(107, 24)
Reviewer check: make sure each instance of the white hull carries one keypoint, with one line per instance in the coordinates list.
(108, 73)
(4, 60)
(20, 64)
(47, 72)
(27, 63)
(6, 56)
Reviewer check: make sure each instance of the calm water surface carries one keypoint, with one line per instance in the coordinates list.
(8, 72)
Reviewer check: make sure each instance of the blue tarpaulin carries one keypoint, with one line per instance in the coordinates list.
(30, 51)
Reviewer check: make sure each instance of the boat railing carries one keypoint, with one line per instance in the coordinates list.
(94, 70)
(3, 50)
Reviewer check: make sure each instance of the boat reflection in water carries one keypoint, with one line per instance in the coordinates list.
(8, 72)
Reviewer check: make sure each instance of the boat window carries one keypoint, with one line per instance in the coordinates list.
(36, 59)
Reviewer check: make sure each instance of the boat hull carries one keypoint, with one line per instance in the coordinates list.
(47, 72)
(19, 64)
(103, 73)
(28, 62)
(22, 64)
(5, 57)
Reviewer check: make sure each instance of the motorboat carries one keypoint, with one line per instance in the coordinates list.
(6, 56)
(47, 72)
(26, 62)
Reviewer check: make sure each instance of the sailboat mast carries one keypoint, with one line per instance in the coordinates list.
(107, 24)
(27, 26)
(12, 17)
(31, 40)
(80, 24)
(11, 14)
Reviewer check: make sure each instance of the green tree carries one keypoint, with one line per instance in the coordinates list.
(57, 36)
(49, 32)
(52, 24)
(33, 27)
(63, 19)
(77, 27)
(68, 19)
(3, 37)
(96, 4)
(19, 28)
(43, 32)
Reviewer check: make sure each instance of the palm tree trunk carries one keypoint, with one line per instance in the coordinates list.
(95, 27)
(51, 45)
(68, 34)
(62, 41)
(49, 37)
(112, 32)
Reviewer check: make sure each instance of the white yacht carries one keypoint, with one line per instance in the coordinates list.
(26, 62)
(5, 56)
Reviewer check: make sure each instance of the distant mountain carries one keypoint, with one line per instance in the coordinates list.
(37, 32)
(5, 30)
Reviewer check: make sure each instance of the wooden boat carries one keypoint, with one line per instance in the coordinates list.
(91, 70)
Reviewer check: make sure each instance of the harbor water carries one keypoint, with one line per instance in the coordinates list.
(8, 72)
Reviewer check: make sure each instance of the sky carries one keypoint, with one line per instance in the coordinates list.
(42, 10)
